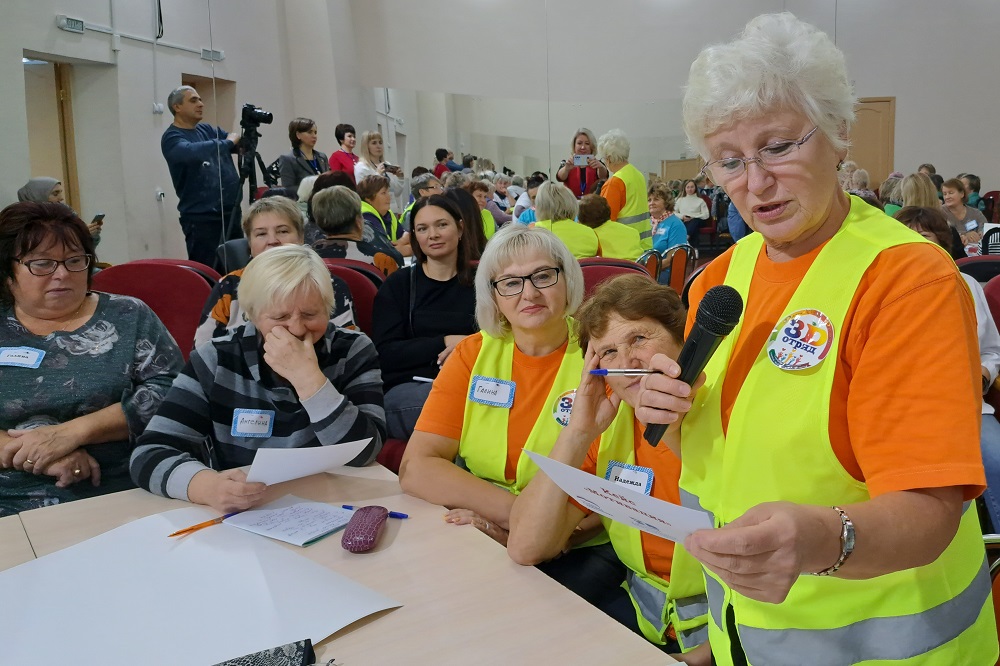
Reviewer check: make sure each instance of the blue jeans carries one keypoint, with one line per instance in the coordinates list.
(989, 442)
(403, 404)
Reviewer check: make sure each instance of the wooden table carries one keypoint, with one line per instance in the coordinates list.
(464, 601)
(14, 545)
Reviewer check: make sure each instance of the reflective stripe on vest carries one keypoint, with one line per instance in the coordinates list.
(484, 444)
(681, 602)
(393, 232)
(876, 638)
(763, 459)
(635, 211)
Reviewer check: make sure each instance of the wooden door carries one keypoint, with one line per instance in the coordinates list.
(873, 137)
(680, 169)
(67, 137)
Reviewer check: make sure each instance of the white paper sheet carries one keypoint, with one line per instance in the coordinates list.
(272, 466)
(133, 596)
(292, 519)
(648, 514)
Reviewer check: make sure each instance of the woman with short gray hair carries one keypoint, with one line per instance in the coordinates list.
(556, 208)
(304, 381)
(851, 482)
(337, 212)
(625, 190)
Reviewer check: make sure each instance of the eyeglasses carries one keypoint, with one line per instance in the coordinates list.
(773, 154)
(43, 267)
(543, 278)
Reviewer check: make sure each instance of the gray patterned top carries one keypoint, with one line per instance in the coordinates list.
(122, 354)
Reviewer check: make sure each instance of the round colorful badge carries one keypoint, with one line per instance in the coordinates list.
(801, 340)
(564, 407)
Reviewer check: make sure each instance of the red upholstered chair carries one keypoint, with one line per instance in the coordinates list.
(210, 274)
(176, 294)
(374, 275)
(983, 268)
(992, 211)
(711, 227)
(650, 260)
(599, 269)
(362, 292)
(680, 261)
(391, 454)
(686, 290)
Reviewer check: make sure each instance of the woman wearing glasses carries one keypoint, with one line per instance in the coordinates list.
(503, 390)
(81, 373)
(833, 452)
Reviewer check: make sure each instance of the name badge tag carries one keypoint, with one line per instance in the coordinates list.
(491, 391)
(252, 423)
(971, 225)
(628, 476)
(21, 357)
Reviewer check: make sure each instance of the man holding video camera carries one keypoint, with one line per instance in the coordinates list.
(200, 160)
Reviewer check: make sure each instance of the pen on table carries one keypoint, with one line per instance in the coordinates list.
(392, 514)
(622, 372)
(207, 523)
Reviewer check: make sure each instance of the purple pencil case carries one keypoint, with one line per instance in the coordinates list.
(364, 528)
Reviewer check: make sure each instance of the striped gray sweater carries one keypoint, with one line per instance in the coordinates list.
(193, 428)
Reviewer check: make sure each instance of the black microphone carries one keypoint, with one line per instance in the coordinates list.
(717, 316)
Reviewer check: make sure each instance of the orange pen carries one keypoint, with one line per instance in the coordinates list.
(201, 526)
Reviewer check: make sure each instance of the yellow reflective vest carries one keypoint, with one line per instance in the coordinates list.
(489, 224)
(619, 241)
(658, 604)
(579, 238)
(777, 448)
(483, 445)
(395, 231)
(635, 212)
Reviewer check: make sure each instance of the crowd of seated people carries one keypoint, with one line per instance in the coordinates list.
(480, 346)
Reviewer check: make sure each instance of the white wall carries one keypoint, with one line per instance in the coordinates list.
(538, 70)
(270, 53)
(934, 57)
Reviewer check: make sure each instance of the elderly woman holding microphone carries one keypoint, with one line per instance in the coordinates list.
(835, 477)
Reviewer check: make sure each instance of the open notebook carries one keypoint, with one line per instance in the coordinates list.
(293, 520)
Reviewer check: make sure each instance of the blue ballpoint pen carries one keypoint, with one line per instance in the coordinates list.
(392, 514)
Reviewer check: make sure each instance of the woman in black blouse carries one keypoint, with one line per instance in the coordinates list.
(304, 160)
(423, 311)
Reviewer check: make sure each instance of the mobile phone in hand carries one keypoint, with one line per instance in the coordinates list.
(98, 219)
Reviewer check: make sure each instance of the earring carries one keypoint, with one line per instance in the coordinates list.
(840, 165)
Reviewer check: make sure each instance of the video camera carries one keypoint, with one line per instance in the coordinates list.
(254, 116)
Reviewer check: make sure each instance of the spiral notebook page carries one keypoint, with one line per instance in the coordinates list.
(293, 520)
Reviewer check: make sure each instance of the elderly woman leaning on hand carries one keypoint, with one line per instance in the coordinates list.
(81, 373)
(836, 292)
(309, 382)
(629, 323)
(505, 389)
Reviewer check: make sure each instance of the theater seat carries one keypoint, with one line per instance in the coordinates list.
(599, 269)
(174, 293)
(391, 454)
(362, 293)
(210, 274)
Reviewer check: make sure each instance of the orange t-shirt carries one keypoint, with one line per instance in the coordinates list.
(614, 192)
(657, 553)
(905, 403)
(444, 412)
